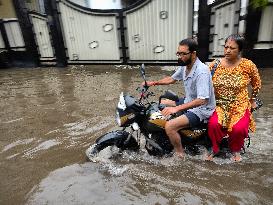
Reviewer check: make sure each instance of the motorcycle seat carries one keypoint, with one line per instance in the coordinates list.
(194, 132)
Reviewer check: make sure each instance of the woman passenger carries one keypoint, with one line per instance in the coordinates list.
(232, 115)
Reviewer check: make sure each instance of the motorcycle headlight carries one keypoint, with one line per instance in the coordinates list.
(118, 120)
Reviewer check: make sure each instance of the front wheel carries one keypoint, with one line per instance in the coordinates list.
(122, 139)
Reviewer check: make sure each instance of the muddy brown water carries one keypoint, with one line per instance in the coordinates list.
(50, 116)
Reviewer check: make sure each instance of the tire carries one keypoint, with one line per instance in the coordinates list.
(119, 138)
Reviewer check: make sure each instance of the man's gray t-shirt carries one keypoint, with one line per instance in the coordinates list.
(198, 84)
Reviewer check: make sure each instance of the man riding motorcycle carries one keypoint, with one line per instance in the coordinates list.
(199, 102)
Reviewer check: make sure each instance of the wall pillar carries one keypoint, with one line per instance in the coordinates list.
(4, 60)
(30, 57)
(56, 32)
(203, 30)
(261, 57)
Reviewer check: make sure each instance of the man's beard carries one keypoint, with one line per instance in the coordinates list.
(183, 63)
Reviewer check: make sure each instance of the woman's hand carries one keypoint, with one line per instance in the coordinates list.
(253, 103)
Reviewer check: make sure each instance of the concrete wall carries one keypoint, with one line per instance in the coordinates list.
(7, 9)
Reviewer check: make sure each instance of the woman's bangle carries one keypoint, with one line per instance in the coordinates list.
(154, 83)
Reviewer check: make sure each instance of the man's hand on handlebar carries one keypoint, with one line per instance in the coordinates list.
(148, 83)
(167, 111)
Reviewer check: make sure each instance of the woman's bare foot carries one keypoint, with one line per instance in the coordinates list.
(181, 155)
(209, 155)
(236, 157)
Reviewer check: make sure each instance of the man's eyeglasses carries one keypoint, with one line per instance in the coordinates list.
(179, 54)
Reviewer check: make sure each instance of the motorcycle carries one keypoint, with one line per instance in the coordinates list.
(140, 117)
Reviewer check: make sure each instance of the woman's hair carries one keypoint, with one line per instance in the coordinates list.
(239, 40)
(191, 43)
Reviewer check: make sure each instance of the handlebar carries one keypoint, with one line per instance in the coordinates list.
(142, 89)
(144, 93)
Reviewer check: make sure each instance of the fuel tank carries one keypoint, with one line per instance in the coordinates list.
(156, 121)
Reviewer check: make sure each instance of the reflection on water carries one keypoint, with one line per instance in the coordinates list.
(50, 116)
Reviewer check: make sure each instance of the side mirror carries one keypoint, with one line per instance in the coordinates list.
(142, 70)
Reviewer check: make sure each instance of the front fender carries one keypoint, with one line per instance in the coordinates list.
(121, 139)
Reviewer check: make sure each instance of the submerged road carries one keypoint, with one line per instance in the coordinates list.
(50, 116)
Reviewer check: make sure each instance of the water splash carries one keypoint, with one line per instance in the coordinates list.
(104, 159)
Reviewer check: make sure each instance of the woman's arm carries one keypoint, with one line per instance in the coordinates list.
(255, 81)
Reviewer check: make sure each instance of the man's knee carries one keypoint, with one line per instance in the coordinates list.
(169, 127)
(176, 124)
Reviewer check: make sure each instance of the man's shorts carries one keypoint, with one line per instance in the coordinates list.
(194, 120)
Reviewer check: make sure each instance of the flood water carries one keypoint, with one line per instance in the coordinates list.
(50, 116)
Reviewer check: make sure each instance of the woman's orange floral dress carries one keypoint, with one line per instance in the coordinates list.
(231, 91)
